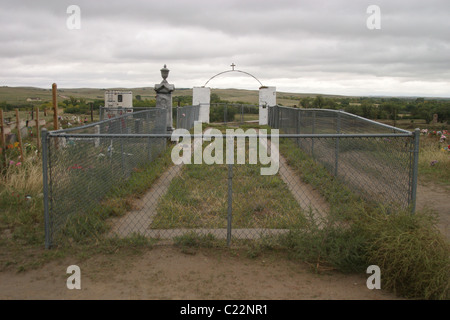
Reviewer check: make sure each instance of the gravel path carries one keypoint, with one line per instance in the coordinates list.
(139, 221)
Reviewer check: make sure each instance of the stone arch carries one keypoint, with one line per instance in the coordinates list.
(202, 96)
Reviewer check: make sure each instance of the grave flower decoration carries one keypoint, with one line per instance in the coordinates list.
(443, 138)
(76, 166)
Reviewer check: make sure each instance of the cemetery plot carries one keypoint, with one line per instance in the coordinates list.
(194, 197)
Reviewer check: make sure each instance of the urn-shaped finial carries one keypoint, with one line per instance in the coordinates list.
(164, 73)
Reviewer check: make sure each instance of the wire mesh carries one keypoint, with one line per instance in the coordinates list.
(186, 116)
(106, 113)
(374, 159)
(236, 113)
(117, 178)
(84, 170)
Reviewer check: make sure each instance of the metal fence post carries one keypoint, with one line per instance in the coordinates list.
(313, 129)
(336, 148)
(415, 170)
(230, 202)
(297, 125)
(225, 113)
(280, 115)
(48, 240)
(242, 114)
(275, 117)
(121, 147)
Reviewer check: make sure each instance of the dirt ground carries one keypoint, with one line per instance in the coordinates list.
(435, 197)
(167, 273)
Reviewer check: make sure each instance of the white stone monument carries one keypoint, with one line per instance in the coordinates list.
(267, 98)
(202, 96)
(164, 97)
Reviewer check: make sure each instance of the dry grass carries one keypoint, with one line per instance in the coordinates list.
(434, 163)
(411, 252)
(26, 178)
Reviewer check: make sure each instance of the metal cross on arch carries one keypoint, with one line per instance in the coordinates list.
(233, 70)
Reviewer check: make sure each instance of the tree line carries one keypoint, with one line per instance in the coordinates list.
(384, 108)
(368, 107)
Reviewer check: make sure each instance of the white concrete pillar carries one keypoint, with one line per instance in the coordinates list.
(202, 96)
(267, 98)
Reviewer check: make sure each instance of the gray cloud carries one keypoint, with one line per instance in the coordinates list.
(301, 46)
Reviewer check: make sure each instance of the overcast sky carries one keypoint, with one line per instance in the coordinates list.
(305, 46)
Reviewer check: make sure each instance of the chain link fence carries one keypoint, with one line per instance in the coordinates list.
(186, 116)
(120, 178)
(233, 112)
(106, 113)
(375, 160)
(85, 165)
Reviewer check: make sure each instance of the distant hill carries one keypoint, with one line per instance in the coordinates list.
(20, 95)
(37, 96)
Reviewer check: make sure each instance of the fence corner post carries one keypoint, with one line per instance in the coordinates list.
(415, 170)
(44, 137)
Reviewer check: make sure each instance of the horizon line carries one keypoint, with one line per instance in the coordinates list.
(398, 95)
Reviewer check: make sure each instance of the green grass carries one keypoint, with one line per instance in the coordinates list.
(434, 163)
(341, 199)
(22, 234)
(192, 240)
(412, 254)
(198, 198)
(430, 150)
(246, 117)
(92, 222)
